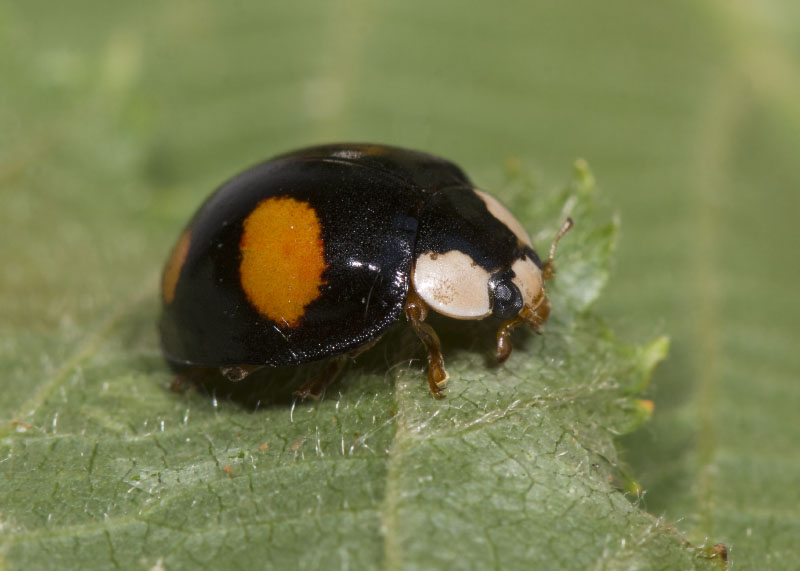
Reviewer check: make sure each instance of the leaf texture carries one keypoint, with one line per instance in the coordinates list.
(116, 121)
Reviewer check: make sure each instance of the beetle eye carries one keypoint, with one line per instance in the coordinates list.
(506, 295)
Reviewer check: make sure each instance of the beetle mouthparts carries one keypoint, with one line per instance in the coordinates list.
(536, 316)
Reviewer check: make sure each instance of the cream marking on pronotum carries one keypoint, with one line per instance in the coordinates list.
(528, 278)
(453, 284)
(503, 215)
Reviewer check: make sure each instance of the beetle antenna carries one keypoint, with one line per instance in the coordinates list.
(549, 269)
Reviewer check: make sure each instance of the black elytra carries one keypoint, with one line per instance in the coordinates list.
(378, 209)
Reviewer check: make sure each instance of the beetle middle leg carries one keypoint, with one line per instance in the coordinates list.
(416, 312)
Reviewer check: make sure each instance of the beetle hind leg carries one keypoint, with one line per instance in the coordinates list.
(188, 377)
(316, 385)
(416, 312)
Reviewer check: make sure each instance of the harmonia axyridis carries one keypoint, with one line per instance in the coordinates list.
(315, 253)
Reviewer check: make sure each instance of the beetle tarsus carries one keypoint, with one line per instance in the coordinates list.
(416, 312)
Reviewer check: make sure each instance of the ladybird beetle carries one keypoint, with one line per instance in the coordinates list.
(315, 253)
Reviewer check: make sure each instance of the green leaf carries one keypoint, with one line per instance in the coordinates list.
(117, 119)
(103, 465)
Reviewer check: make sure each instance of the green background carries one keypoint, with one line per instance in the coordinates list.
(116, 119)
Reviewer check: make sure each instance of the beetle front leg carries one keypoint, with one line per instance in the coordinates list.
(416, 312)
(504, 345)
(534, 316)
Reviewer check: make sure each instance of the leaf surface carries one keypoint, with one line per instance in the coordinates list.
(116, 121)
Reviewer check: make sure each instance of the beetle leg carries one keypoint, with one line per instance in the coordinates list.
(316, 385)
(180, 381)
(504, 345)
(188, 377)
(236, 373)
(185, 378)
(534, 316)
(416, 312)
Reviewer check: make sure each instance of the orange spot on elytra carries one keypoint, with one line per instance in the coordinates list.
(172, 271)
(283, 258)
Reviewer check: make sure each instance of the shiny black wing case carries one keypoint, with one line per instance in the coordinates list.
(367, 198)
